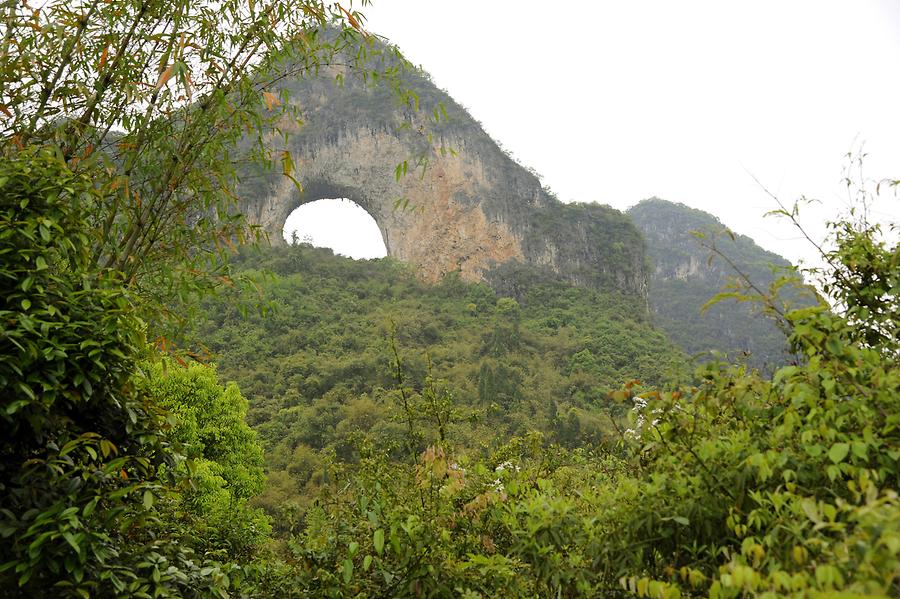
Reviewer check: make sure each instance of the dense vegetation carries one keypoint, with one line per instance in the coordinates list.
(319, 367)
(112, 480)
(737, 485)
(116, 212)
(686, 273)
(128, 470)
(123, 478)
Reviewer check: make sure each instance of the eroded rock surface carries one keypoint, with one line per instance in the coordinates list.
(469, 210)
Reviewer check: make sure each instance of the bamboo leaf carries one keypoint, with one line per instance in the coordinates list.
(378, 541)
(164, 77)
(271, 100)
(103, 56)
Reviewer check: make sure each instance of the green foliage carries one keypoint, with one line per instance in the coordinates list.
(864, 282)
(319, 370)
(117, 172)
(224, 458)
(739, 485)
(80, 489)
(800, 470)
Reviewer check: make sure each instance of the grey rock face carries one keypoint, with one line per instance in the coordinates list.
(468, 210)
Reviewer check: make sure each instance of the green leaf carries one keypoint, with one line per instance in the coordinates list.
(833, 344)
(838, 452)
(347, 571)
(720, 297)
(367, 562)
(70, 539)
(378, 541)
(14, 407)
(148, 499)
(89, 508)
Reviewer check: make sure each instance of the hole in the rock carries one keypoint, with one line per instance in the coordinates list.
(338, 224)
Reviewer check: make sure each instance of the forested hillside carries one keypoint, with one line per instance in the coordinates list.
(685, 274)
(319, 367)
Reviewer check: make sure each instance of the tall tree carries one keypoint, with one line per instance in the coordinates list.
(117, 170)
(151, 97)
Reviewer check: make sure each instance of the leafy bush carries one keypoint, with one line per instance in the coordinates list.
(224, 458)
(89, 472)
(81, 450)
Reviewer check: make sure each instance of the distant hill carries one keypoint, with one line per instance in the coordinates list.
(682, 279)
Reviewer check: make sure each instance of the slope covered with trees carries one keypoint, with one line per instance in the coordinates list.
(319, 367)
(127, 471)
(686, 273)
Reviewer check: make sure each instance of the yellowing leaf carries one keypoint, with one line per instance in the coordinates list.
(103, 58)
(164, 77)
(287, 163)
(351, 19)
(271, 100)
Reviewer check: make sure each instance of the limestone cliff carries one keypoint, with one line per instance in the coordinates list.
(470, 209)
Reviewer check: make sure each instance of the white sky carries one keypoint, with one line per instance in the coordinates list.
(614, 102)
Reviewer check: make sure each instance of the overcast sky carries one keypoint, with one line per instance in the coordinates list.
(614, 102)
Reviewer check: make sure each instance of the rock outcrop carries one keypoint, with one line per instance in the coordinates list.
(463, 205)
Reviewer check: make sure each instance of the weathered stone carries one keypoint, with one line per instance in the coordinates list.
(468, 210)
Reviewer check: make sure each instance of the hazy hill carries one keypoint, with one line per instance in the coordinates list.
(683, 279)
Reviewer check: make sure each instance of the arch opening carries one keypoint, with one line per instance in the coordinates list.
(338, 224)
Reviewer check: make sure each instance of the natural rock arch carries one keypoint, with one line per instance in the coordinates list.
(357, 236)
(432, 226)
(471, 209)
